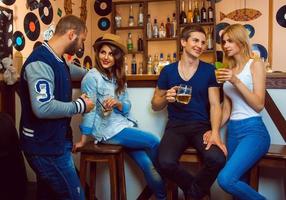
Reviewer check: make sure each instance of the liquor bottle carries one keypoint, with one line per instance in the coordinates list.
(190, 13)
(174, 57)
(126, 65)
(155, 29)
(174, 25)
(209, 39)
(139, 43)
(131, 16)
(161, 63)
(169, 30)
(168, 60)
(162, 31)
(155, 64)
(133, 65)
(149, 65)
(140, 70)
(197, 17)
(203, 13)
(118, 19)
(129, 43)
(140, 15)
(149, 27)
(183, 16)
(210, 13)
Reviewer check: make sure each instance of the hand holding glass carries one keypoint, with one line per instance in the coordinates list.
(219, 65)
(184, 94)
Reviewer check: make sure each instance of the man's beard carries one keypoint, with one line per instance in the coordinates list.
(72, 48)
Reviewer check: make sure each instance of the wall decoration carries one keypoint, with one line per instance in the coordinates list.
(102, 7)
(33, 4)
(80, 52)
(103, 23)
(59, 12)
(244, 14)
(6, 32)
(49, 32)
(18, 41)
(259, 51)
(76, 62)
(218, 30)
(31, 26)
(68, 7)
(37, 44)
(8, 2)
(46, 12)
(281, 16)
(87, 62)
(83, 10)
(250, 30)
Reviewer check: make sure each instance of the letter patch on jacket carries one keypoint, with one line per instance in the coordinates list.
(43, 89)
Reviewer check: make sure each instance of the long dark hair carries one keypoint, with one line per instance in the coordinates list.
(117, 70)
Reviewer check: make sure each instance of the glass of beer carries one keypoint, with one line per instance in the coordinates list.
(184, 94)
(219, 65)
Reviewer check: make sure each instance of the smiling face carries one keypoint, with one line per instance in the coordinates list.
(230, 47)
(106, 57)
(195, 44)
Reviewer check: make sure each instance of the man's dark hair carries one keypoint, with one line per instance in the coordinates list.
(186, 32)
(70, 22)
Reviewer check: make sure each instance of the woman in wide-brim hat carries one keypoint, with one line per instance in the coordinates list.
(110, 122)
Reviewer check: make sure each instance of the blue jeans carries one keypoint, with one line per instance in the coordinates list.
(143, 148)
(247, 141)
(56, 176)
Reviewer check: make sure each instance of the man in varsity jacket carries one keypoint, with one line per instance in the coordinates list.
(47, 107)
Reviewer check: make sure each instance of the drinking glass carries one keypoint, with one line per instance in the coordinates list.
(184, 94)
(219, 65)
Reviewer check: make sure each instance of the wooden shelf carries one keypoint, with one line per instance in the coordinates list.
(129, 28)
(202, 24)
(161, 39)
(136, 52)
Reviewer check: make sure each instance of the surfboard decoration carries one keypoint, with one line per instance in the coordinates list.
(242, 15)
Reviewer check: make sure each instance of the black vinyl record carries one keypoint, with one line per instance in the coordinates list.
(37, 44)
(103, 23)
(46, 12)
(32, 26)
(102, 7)
(18, 41)
(87, 62)
(80, 52)
(8, 2)
(76, 62)
(281, 16)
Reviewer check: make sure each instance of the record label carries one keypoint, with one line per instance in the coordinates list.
(102, 7)
(281, 16)
(46, 12)
(18, 41)
(32, 26)
(103, 23)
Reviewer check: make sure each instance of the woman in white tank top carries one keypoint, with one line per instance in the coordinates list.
(244, 95)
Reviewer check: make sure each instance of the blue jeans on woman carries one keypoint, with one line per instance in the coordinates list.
(247, 141)
(143, 148)
(56, 176)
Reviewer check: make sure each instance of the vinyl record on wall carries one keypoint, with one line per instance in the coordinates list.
(259, 50)
(250, 30)
(103, 23)
(46, 12)
(80, 52)
(281, 16)
(8, 2)
(102, 7)
(37, 44)
(218, 30)
(87, 62)
(18, 41)
(31, 26)
(76, 62)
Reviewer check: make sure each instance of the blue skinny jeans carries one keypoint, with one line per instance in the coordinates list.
(143, 148)
(247, 141)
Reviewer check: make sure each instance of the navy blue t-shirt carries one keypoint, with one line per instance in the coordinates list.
(198, 108)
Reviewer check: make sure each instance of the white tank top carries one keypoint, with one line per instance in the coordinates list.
(240, 109)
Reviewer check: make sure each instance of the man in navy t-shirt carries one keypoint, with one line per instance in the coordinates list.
(194, 124)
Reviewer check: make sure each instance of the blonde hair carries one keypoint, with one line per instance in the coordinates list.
(239, 35)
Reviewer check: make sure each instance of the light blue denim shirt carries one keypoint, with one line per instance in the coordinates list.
(98, 87)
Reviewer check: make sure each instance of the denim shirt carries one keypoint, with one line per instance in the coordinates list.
(98, 87)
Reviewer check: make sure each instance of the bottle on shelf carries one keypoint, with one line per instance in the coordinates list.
(126, 65)
(133, 65)
(168, 60)
(140, 69)
(174, 25)
(183, 16)
(169, 29)
(203, 12)
(197, 17)
(161, 63)
(149, 65)
(155, 29)
(190, 13)
(210, 13)
(174, 57)
(118, 19)
(210, 39)
(140, 15)
(162, 31)
(129, 43)
(149, 27)
(155, 64)
(139, 43)
(131, 16)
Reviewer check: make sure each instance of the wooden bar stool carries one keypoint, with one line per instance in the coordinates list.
(112, 154)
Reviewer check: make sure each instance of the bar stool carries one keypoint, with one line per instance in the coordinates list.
(112, 154)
